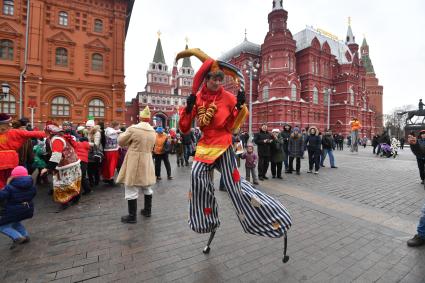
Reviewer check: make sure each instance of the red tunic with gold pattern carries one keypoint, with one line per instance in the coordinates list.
(217, 136)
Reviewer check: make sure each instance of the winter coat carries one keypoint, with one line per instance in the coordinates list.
(82, 150)
(39, 161)
(263, 148)
(418, 149)
(18, 196)
(296, 145)
(313, 142)
(251, 159)
(179, 147)
(188, 139)
(375, 141)
(276, 150)
(328, 142)
(285, 135)
(138, 168)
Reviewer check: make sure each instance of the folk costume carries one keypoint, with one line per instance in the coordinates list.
(65, 165)
(355, 127)
(137, 171)
(219, 114)
(111, 154)
(12, 140)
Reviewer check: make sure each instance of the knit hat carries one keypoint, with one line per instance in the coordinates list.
(275, 131)
(296, 129)
(90, 123)
(19, 171)
(80, 128)
(160, 130)
(4, 118)
(145, 114)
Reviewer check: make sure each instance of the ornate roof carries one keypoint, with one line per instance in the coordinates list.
(338, 48)
(245, 47)
(159, 54)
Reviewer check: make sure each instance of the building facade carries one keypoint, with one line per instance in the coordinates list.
(71, 64)
(310, 78)
(166, 90)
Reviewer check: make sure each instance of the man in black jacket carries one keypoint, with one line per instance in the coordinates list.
(418, 148)
(263, 139)
(328, 145)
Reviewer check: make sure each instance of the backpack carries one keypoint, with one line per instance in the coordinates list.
(95, 155)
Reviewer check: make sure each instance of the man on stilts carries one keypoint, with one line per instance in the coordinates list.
(219, 113)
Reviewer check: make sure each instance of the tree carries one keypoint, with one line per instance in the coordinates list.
(395, 121)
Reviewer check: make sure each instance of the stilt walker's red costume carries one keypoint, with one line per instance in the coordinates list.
(10, 141)
(219, 113)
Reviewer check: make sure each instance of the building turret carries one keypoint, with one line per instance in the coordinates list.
(185, 76)
(158, 75)
(350, 40)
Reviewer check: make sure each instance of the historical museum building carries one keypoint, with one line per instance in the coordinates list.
(166, 90)
(71, 63)
(309, 78)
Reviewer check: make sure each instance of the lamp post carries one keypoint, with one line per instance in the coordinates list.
(328, 93)
(5, 89)
(251, 68)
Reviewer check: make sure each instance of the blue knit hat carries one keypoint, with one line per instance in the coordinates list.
(296, 129)
(160, 130)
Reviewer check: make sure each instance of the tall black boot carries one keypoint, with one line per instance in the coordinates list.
(132, 211)
(148, 206)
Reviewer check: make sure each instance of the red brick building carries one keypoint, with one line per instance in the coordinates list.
(72, 64)
(301, 76)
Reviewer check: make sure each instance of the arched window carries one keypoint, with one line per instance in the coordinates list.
(351, 96)
(265, 93)
(61, 56)
(98, 25)
(315, 96)
(60, 106)
(6, 49)
(63, 18)
(325, 97)
(97, 62)
(293, 92)
(8, 7)
(96, 108)
(8, 104)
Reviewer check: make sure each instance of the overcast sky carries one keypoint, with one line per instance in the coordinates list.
(394, 31)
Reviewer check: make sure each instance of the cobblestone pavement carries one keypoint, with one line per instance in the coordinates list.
(330, 241)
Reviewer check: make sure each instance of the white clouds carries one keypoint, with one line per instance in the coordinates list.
(394, 33)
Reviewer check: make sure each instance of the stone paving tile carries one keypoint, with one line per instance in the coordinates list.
(87, 243)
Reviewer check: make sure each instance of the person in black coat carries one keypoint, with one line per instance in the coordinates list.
(314, 145)
(263, 140)
(375, 143)
(285, 135)
(18, 195)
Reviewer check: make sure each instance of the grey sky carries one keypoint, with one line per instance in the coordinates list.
(393, 29)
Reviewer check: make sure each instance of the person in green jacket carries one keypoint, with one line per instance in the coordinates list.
(39, 162)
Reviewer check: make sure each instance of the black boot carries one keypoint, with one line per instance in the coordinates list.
(132, 211)
(416, 241)
(148, 206)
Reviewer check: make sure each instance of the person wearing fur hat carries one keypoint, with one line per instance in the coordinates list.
(160, 152)
(137, 171)
(64, 165)
(18, 194)
(220, 114)
(10, 141)
(295, 150)
(314, 145)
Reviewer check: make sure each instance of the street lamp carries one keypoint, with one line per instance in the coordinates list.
(5, 88)
(251, 69)
(328, 93)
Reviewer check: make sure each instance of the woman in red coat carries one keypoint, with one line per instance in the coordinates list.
(10, 141)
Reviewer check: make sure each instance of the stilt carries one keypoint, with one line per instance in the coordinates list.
(207, 247)
(285, 247)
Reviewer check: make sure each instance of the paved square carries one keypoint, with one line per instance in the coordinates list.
(350, 225)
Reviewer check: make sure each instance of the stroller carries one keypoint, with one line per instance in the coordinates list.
(389, 150)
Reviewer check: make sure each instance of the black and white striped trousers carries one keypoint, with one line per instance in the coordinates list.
(258, 213)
